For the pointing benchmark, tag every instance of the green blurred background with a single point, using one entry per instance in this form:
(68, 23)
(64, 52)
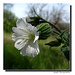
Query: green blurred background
(48, 58)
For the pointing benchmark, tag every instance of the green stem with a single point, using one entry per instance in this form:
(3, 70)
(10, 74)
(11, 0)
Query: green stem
(47, 22)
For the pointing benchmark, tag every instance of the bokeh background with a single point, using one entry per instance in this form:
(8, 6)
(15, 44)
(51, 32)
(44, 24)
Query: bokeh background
(48, 58)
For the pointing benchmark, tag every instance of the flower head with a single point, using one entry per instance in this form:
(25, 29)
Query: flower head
(25, 36)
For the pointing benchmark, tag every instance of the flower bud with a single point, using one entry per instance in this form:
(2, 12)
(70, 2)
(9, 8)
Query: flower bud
(44, 31)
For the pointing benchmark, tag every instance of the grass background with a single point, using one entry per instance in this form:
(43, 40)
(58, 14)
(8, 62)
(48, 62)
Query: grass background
(47, 59)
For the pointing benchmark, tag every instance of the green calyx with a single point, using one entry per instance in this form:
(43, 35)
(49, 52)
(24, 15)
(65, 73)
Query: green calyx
(44, 31)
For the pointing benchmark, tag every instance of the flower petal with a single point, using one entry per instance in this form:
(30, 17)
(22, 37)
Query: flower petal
(23, 51)
(16, 36)
(19, 31)
(36, 35)
(19, 44)
(34, 30)
(36, 38)
(30, 50)
(22, 24)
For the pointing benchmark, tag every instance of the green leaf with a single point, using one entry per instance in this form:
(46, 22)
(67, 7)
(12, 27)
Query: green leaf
(54, 43)
(66, 50)
(65, 37)
(63, 33)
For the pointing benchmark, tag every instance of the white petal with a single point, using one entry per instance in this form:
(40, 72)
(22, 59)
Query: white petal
(36, 35)
(36, 38)
(15, 36)
(19, 44)
(19, 31)
(34, 30)
(30, 50)
(31, 28)
(23, 51)
(21, 23)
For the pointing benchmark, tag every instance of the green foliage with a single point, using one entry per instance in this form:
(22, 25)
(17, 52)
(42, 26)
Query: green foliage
(9, 20)
(65, 39)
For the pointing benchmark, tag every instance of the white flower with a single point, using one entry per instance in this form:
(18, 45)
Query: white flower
(25, 38)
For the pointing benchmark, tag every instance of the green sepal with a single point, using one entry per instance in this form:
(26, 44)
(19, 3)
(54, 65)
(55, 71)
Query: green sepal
(44, 31)
(42, 26)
